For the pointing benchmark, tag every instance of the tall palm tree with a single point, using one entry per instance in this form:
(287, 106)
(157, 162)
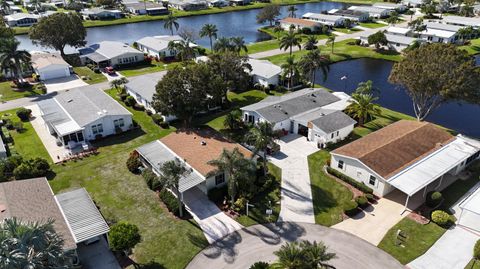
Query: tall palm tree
(233, 120)
(31, 245)
(238, 44)
(261, 136)
(290, 40)
(316, 255)
(290, 70)
(183, 49)
(331, 41)
(313, 61)
(170, 23)
(10, 57)
(410, 13)
(363, 108)
(311, 43)
(291, 10)
(304, 254)
(209, 30)
(222, 44)
(170, 174)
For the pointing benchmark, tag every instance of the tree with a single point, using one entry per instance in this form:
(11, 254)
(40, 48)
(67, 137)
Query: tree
(429, 7)
(311, 43)
(277, 29)
(467, 9)
(5, 6)
(261, 136)
(289, 41)
(268, 13)
(6, 32)
(417, 25)
(290, 70)
(291, 10)
(304, 254)
(348, 23)
(238, 44)
(362, 108)
(410, 13)
(32, 245)
(170, 174)
(170, 23)
(58, 31)
(233, 70)
(466, 33)
(313, 61)
(331, 41)
(366, 88)
(233, 120)
(393, 19)
(12, 59)
(123, 236)
(437, 73)
(119, 82)
(378, 39)
(223, 44)
(209, 30)
(183, 48)
(476, 253)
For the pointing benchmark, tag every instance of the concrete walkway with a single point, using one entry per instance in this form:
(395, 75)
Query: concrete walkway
(214, 223)
(257, 243)
(296, 201)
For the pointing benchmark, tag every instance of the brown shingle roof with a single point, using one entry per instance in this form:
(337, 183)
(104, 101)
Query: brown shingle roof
(41, 60)
(188, 146)
(396, 146)
(33, 200)
(298, 21)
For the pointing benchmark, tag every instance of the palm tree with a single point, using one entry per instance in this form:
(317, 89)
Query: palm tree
(209, 30)
(10, 57)
(311, 62)
(311, 43)
(32, 245)
(466, 33)
(289, 41)
(238, 44)
(366, 88)
(291, 10)
(290, 256)
(170, 23)
(233, 120)
(170, 174)
(37, 4)
(304, 254)
(261, 136)
(290, 70)
(183, 49)
(410, 13)
(363, 108)
(393, 18)
(277, 29)
(331, 41)
(117, 83)
(222, 44)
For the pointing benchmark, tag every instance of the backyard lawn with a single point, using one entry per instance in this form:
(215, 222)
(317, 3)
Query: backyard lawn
(7, 93)
(145, 69)
(92, 77)
(372, 25)
(474, 47)
(262, 46)
(347, 31)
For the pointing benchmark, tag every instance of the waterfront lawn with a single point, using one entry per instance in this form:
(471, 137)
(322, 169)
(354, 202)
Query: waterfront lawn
(386, 117)
(269, 30)
(262, 46)
(146, 68)
(347, 31)
(372, 25)
(8, 93)
(92, 77)
(473, 47)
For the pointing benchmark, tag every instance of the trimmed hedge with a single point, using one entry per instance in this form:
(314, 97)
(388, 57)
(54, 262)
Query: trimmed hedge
(476, 250)
(442, 218)
(370, 197)
(362, 201)
(351, 208)
(359, 185)
(170, 201)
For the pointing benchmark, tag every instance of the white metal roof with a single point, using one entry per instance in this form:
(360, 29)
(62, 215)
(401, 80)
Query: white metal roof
(398, 30)
(472, 203)
(264, 68)
(475, 22)
(418, 175)
(438, 33)
(82, 215)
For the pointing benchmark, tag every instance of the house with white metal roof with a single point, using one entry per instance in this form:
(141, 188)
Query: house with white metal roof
(314, 113)
(391, 6)
(462, 21)
(439, 33)
(264, 72)
(325, 19)
(142, 88)
(470, 211)
(374, 12)
(101, 14)
(353, 15)
(110, 53)
(146, 8)
(188, 5)
(21, 19)
(157, 46)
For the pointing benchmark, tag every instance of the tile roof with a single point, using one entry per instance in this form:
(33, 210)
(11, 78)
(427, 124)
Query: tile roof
(298, 21)
(396, 146)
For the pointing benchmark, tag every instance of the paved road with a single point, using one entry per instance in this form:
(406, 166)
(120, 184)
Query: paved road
(257, 243)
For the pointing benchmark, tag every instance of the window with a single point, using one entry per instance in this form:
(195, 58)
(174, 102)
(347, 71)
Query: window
(118, 123)
(372, 180)
(338, 132)
(219, 179)
(340, 164)
(97, 129)
(332, 135)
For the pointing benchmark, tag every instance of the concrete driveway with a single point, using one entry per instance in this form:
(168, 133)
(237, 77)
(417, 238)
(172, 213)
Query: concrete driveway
(214, 223)
(60, 84)
(257, 243)
(296, 193)
(97, 256)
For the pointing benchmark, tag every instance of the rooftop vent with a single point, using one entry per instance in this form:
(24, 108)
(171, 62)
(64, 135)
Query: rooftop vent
(70, 100)
(203, 143)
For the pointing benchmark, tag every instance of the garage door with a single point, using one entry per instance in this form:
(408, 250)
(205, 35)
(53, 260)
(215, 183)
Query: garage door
(53, 73)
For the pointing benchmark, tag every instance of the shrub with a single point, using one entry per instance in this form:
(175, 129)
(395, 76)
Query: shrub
(18, 126)
(149, 112)
(151, 179)
(218, 194)
(138, 107)
(170, 201)
(164, 125)
(239, 205)
(306, 31)
(434, 198)
(359, 185)
(37, 167)
(260, 265)
(24, 114)
(123, 236)
(123, 96)
(350, 208)
(8, 124)
(476, 250)
(133, 162)
(130, 101)
(441, 218)
(157, 118)
(361, 201)
(358, 42)
(370, 197)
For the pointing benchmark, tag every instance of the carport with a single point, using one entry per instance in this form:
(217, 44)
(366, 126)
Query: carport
(470, 214)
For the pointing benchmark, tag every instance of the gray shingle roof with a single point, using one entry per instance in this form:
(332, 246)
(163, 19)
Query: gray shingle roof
(264, 68)
(145, 85)
(276, 109)
(108, 50)
(332, 122)
(158, 43)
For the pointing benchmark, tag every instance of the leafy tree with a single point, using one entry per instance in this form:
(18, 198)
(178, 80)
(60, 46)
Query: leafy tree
(347, 24)
(363, 107)
(410, 13)
(417, 25)
(429, 7)
(6, 32)
(261, 136)
(233, 70)
(290, 71)
(32, 245)
(269, 13)
(290, 40)
(170, 174)
(58, 31)
(467, 9)
(23, 113)
(313, 61)
(108, 3)
(304, 254)
(378, 39)
(185, 50)
(123, 236)
(311, 43)
(291, 10)
(133, 162)
(170, 23)
(331, 41)
(233, 120)
(437, 73)
(394, 18)
(211, 31)
(277, 30)
(31, 168)
(12, 59)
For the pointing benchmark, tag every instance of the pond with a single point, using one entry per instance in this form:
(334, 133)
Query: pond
(235, 23)
(462, 117)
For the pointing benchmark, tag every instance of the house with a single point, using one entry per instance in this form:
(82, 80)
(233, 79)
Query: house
(470, 211)
(440, 33)
(76, 217)
(83, 114)
(50, 65)
(264, 72)
(188, 5)
(146, 8)
(143, 88)
(400, 31)
(395, 41)
(240, 2)
(374, 12)
(157, 46)
(102, 14)
(299, 24)
(314, 113)
(217, 3)
(412, 3)
(21, 20)
(110, 53)
(462, 21)
(325, 19)
(194, 148)
(353, 15)
(391, 6)
(410, 156)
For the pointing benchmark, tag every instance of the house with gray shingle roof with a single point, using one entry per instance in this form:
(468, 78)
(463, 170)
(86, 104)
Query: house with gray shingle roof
(313, 112)
(157, 46)
(110, 53)
(264, 72)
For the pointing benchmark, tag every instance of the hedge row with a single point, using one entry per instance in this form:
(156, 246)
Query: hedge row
(359, 185)
(170, 201)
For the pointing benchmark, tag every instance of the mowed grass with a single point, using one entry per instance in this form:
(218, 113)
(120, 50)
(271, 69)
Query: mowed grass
(473, 47)
(473, 265)
(146, 68)
(346, 30)
(92, 77)
(8, 93)
(262, 46)
(372, 25)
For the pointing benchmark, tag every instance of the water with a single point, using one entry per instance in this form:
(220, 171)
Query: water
(237, 23)
(464, 118)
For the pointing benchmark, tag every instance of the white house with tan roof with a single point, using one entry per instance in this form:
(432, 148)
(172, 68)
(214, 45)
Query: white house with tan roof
(264, 72)
(50, 65)
(412, 157)
(297, 23)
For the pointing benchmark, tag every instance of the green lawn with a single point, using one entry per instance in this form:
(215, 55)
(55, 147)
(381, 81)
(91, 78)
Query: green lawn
(472, 265)
(473, 48)
(262, 46)
(91, 76)
(372, 25)
(347, 31)
(7, 93)
(146, 68)
(269, 30)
